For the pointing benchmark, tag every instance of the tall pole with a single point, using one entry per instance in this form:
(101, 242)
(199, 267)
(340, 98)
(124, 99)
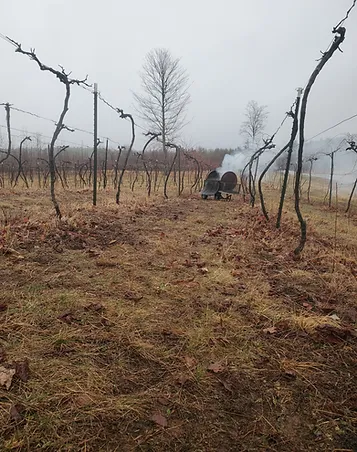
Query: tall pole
(95, 147)
(179, 171)
(332, 155)
(105, 164)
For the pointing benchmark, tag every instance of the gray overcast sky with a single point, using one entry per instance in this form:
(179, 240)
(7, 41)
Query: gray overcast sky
(233, 50)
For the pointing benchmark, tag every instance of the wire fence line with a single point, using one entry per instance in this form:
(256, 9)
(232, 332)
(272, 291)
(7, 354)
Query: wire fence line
(52, 121)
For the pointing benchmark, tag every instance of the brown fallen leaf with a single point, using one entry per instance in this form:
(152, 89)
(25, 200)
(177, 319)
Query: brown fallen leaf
(105, 322)
(129, 295)
(6, 376)
(66, 317)
(182, 379)
(159, 419)
(22, 370)
(270, 330)
(190, 362)
(289, 374)
(236, 273)
(216, 367)
(83, 400)
(16, 412)
(97, 307)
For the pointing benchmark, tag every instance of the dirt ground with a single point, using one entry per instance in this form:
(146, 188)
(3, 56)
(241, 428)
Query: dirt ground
(179, 325)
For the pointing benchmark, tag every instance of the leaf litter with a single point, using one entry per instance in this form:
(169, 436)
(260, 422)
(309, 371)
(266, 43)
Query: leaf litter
(6, 376)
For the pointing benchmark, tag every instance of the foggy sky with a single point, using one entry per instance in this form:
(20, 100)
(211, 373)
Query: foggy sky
(233, 50)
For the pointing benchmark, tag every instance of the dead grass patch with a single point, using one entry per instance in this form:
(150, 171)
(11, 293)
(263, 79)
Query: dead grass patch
(178, 325)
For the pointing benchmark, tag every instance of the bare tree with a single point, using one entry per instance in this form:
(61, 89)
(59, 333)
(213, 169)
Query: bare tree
(165, 95)
(256, 118)
(252, 128)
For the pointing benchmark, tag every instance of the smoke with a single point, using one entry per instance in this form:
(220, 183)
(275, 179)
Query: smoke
(233, 162)
(236, 162)
(345, 163)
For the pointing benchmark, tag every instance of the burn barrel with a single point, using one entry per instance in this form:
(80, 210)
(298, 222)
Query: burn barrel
(210, 188)
(228, 182)
(213, 175)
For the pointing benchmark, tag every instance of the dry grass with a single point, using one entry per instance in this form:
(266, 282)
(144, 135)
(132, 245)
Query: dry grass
(195, 310)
